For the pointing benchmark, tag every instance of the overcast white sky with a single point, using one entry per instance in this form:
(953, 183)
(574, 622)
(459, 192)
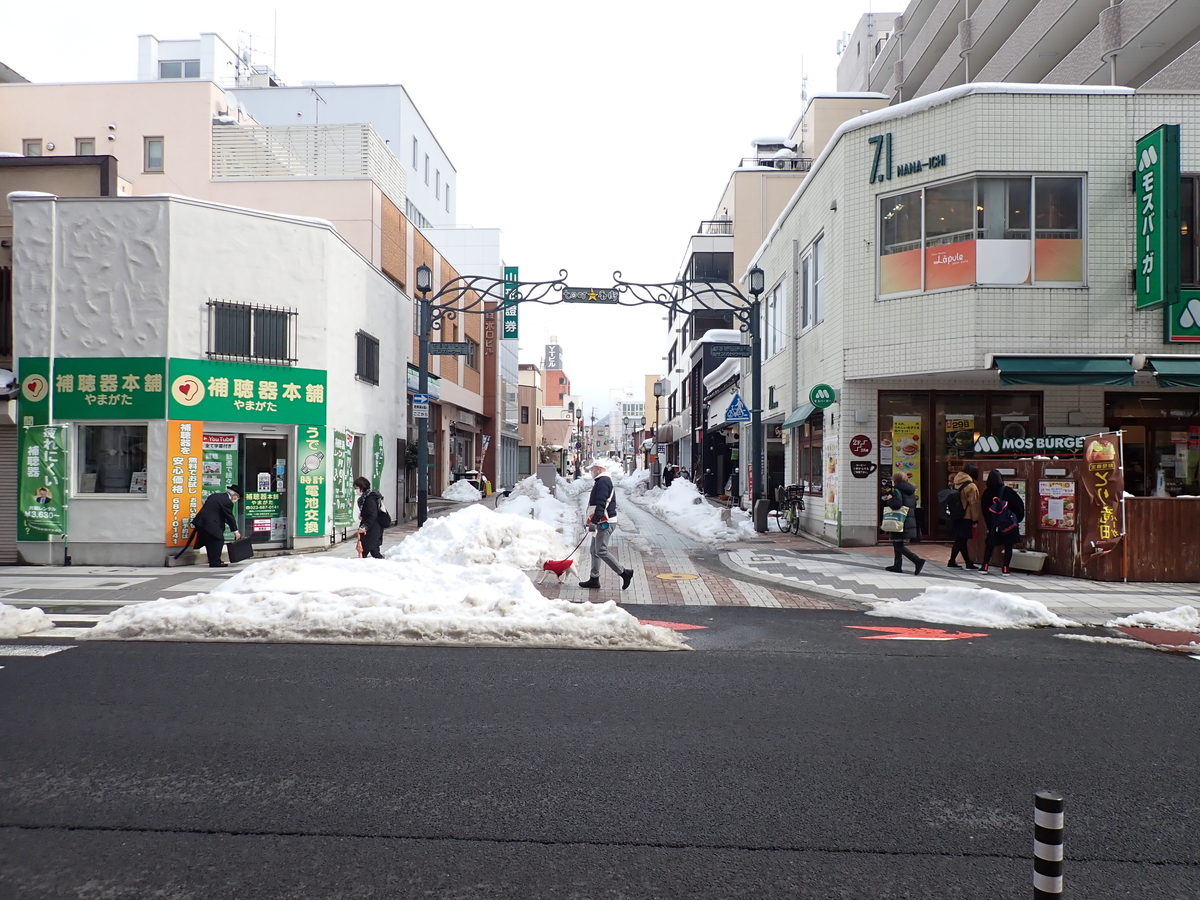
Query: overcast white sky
(595, 136)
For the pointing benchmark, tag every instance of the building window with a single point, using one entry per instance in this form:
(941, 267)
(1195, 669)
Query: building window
(112, 459)
(525, 460)
(1189, 217)
(85, 146)
(427, 168)
(776, 315)
(524, 415)
(1005, 230)
(818, 277)
(154, 155)
(179, 68)
(244, 331)
(414, 154)
(32, 147)
(447, 196)
(809, 448)
(368, 358)
(472, 354)
(437, 184)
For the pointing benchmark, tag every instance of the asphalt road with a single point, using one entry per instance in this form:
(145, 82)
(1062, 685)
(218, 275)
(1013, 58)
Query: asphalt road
(787, 757)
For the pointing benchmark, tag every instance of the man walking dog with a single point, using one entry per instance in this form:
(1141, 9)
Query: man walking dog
(601, 521)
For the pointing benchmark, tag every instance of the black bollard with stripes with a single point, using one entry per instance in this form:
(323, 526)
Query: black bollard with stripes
(1047, 846)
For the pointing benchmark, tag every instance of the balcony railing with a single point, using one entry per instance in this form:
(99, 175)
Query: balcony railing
(716, 226)
(244, 152)
(783, 163)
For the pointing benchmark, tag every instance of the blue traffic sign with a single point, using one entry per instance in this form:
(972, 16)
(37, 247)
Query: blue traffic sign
(737, 411)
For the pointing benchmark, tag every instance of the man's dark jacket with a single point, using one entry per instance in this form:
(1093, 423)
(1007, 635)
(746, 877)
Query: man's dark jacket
(215, 514)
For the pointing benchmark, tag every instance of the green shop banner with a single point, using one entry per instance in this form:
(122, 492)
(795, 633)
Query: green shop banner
(343, 488)
(33, 403)
(110, 387)
(42, 482)
(311, 466)
(241, 392)
(377, 461)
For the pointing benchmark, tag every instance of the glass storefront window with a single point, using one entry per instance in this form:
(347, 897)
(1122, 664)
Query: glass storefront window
(809, 454)
(1161, 442)
(1003, 209)
(112, 459)
(1058, 246)
(900, 244)
(948, 213)
(1016, 415)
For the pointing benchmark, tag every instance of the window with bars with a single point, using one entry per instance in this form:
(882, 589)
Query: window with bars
(368, 358)
(265, 334)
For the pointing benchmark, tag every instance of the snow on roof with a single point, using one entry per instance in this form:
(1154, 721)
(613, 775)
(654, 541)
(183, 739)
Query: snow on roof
(849, 95)
(721, 373)
(767, 141)
(721, 336)
(920, 105)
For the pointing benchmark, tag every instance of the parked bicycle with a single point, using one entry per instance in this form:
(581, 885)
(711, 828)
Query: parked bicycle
(791, 505)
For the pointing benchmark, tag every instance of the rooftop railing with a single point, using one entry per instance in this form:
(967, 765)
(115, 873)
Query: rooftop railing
(783, 163)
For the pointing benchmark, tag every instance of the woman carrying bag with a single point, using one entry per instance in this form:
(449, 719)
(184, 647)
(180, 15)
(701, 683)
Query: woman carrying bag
(1003, 511)
(900, 521)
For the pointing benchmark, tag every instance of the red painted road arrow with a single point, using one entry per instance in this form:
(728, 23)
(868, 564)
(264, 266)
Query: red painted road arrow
(674, 626)
(912, 634)
(1183, 641)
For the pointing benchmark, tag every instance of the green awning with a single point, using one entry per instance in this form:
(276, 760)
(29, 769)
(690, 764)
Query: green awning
(1064, 370)
(1177, 372)
(799, 416)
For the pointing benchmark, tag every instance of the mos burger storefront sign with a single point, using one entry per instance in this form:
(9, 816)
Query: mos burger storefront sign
(1057, 444)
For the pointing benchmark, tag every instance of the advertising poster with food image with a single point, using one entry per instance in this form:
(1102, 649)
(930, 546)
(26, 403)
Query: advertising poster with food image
(1104, 481)
(885, 448)
(1018, 486)
(1056, 505)
(960, 436)
(906, 450)
(831, 480)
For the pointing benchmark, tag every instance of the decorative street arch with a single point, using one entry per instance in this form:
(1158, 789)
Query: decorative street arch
(470, 294)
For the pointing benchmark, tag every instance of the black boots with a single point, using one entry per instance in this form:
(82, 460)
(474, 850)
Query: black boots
(626, 577)
(592, 582)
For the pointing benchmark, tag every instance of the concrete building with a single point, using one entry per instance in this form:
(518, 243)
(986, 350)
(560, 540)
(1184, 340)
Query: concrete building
(958, 294)
(173, 377)
(1146, 44)
(531, 400)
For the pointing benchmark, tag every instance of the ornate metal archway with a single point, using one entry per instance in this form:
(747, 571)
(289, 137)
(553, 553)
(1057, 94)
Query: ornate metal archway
(471, 294)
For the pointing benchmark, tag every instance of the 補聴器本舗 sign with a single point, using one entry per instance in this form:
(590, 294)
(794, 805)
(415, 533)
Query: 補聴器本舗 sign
(243, 392)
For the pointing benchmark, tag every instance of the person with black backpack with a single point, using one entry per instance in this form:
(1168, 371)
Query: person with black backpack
(965, 502)
(1003, 511)
(372, 518)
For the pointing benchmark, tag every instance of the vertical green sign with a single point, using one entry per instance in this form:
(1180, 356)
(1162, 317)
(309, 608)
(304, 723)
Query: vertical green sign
(33, 403)
(1181, 321)
(311, 466)
(512, 292)
(343, 489)
(377, 461)
(42, 482)
(1156, 187)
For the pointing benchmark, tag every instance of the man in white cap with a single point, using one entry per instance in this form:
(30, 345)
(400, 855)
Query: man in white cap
(601, 521)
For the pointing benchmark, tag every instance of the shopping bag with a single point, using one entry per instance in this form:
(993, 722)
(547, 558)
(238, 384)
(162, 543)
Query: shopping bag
(239, 550)
(893, 520)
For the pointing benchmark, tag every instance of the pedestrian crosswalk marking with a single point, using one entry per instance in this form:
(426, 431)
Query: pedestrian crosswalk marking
(32, 649)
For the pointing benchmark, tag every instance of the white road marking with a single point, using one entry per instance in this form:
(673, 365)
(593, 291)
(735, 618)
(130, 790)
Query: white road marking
(32, 649)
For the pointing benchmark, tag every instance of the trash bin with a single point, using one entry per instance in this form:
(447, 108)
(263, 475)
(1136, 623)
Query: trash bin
(761, 508)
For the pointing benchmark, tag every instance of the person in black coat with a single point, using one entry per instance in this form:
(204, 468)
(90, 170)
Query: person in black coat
(209, 524)
(997, 500)
(370, 530)
(668, 476)
(903, 493)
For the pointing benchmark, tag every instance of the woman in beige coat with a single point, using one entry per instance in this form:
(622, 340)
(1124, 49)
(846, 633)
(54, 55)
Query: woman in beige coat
(964, 528)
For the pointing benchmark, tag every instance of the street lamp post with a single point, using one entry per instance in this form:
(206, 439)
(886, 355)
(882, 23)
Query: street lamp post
(757, 461)
(424, 285)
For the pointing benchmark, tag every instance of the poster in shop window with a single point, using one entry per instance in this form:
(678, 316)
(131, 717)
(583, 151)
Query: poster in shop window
(831, 479)
(377, 461)
(42, 482)
(906, 450)
(960, 436)
(1056, 505)
(343, 488)
(184, 457)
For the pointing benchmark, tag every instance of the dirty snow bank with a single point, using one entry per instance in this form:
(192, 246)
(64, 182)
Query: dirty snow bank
(367, 601)
(530, 499)
(683, 508)
(982, 607)
(462, 492)
(477, 535)
(15, 622)
(1182, 618)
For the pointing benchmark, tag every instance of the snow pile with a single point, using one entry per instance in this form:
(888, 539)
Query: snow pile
(369, 601)
(1183, 618)
(1120, 642)
(531, 500)
(462, 492)
(971, 606)
(476, 535)
(683, 508)
(638, 482)
(15, 622)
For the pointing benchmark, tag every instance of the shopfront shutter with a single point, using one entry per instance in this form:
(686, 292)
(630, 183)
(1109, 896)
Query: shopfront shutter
(8, 494)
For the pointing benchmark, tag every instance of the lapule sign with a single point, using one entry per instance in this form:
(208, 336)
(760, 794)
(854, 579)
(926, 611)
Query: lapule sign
(1104, 481)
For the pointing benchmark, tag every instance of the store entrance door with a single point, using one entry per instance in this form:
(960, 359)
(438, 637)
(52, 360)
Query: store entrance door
(264, 477)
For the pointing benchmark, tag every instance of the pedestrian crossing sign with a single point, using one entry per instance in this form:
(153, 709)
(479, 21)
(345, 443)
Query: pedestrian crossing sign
(737, 411)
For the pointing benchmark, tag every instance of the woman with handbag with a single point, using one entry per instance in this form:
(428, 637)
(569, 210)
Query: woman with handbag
(900, 521)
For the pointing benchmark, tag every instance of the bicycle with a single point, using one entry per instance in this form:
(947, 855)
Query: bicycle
(792, 499)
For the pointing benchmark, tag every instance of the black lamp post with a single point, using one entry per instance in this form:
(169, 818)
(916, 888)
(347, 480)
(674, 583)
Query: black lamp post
(424, 286)
(758, 466)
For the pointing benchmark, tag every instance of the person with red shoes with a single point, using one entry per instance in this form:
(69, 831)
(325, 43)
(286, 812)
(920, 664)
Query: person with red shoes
(1003, 511)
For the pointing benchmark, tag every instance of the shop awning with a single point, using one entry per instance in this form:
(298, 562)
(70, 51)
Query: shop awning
(1176, 372)
(799, 416)
(665, 434)
(1064, 370)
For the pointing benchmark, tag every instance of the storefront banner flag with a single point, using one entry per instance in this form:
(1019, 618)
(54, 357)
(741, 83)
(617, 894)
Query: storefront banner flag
(343, 477)
(241, 392)
(42, 482)
(509, 327)
(1104, 481)
(311, 465)
(185, 453)
(906, 450)
(378, 461)
(33, 403)
(1156, 189)
(120, 387)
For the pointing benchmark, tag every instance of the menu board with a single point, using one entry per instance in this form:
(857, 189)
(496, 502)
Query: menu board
(960, 436)
(906, 450)
(1056, 505)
